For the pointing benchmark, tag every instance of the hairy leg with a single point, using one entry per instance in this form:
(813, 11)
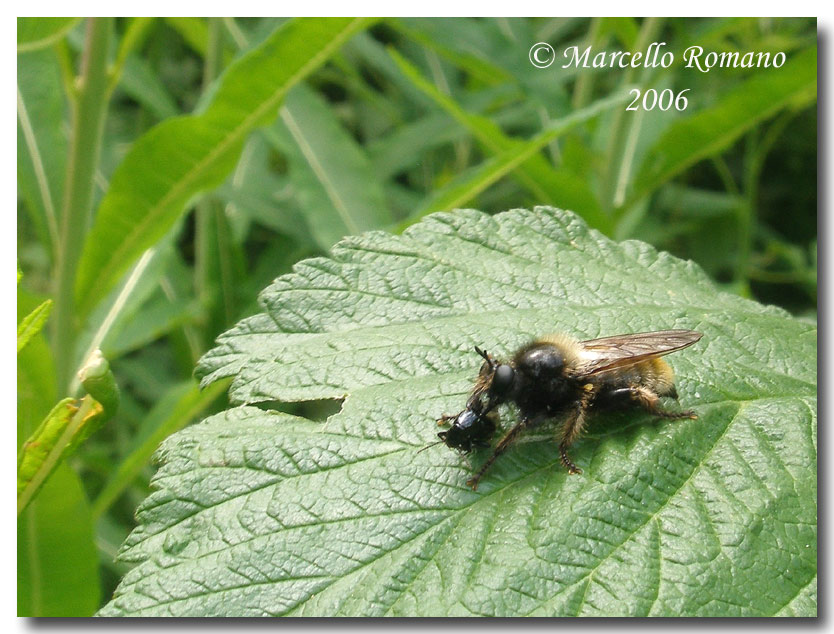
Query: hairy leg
(650, 402)
(572, 428)
(502, 445)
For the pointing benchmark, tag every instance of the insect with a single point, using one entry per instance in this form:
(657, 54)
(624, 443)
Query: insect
(558, 377)
(472, 427)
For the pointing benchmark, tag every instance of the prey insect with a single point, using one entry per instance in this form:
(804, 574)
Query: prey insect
(557, 377)
(474, 426)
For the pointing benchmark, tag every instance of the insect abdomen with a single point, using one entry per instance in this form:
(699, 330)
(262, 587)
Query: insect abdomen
(654, 374)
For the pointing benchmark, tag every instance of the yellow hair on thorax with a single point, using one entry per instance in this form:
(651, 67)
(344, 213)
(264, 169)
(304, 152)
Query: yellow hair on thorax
(567, 344)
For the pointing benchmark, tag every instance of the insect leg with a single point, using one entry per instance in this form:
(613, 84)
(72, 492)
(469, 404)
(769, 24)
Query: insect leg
(572, 427)
(649, 401)
(502, 445)
(465, 456)
(445, 418)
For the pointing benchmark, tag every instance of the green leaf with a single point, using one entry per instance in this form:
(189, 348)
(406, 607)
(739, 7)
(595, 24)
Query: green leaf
(404, 146)
(710, 131)
(42, 141)
(429, 32)
(141, 82)
(65, 428)
(334, 179)
(32, 324)
(57, 563)
(461, 191)
(37, 33)
(257, 512)
(36, 382)
(193, 30)
(183, 156)
(251, 194)
(541, 179)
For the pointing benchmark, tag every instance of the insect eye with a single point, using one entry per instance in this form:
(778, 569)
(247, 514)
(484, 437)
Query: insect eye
(442, 435)
(502, 380)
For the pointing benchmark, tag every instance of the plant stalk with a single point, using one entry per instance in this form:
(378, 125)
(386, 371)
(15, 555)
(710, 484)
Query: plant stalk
(89, 110)
(621, 124)
(205, 232)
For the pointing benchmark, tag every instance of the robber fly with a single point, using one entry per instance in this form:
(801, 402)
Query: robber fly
(558, 377)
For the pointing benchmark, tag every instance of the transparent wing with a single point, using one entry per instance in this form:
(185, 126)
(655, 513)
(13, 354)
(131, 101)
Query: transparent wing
(609, 353)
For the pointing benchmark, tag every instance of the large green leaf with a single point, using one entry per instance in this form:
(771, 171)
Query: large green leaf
(183, 156)
(258, 512)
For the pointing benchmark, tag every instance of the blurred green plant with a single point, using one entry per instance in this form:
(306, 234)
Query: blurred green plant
(284, 135)
(65, 428)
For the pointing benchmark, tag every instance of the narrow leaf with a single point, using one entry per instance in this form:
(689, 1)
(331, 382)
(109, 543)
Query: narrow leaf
(193, 30)
(140, 82)
(541, 179)
(710, 131)
(462, 190)
(405, 145)
(43, 451)
(32, 324)
(37, 33)
(336, 183)
(63, 430)
(184, 156)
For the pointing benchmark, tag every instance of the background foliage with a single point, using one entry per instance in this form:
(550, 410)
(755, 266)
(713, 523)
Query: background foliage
(154, 232)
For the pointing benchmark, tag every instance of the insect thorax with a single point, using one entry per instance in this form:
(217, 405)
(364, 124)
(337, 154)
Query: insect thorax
(541, 386)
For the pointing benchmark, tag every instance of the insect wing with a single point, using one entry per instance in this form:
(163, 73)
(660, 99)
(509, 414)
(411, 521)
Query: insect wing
(610, 353)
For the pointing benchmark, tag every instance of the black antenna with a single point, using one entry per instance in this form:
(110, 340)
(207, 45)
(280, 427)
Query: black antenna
(431, 445)
(486, 357)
